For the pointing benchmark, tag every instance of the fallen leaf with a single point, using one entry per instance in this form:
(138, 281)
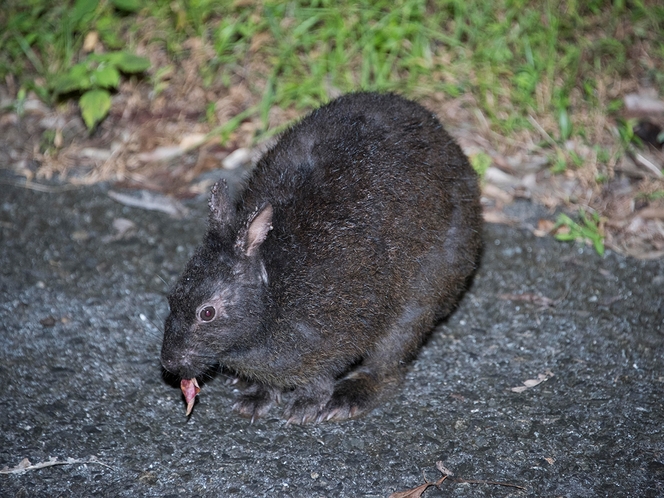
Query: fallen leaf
(496, 193)
(527, 384)
(417, 492)
(190, 389)
(651, 213)
(413, 493)
(498, 217)
(90, 41)
(544, 228)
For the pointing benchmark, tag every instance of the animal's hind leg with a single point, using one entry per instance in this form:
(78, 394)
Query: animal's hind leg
(362, 388)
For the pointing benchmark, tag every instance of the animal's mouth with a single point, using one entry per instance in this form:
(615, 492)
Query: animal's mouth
(186, 365)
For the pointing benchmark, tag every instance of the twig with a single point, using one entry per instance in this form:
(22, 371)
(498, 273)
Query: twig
(548, 138)
(419, 490)
(39, 187)
(462, 481)
(25, 465)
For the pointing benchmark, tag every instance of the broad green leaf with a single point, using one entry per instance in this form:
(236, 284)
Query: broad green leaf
(128, 63)
(81, 9)
(106, 77)
(109, 28)
(77, 78)
(95, 105)
(126, 5)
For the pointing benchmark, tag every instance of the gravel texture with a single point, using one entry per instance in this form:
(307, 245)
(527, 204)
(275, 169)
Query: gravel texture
(81, 317)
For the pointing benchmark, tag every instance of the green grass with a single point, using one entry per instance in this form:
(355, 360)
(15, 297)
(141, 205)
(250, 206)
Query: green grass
(588, 230)
(517, 58)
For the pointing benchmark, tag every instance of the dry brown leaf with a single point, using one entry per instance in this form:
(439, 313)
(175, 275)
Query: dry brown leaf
(544, 228)
(651, 213)
(497, 216)
(90, 41)
(417, 492)
(412, 493)
(496, 193)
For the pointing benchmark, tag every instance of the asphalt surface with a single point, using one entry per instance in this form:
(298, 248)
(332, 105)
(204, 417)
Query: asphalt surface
(81, 318)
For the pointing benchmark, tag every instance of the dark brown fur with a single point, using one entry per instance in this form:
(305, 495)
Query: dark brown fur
(356, 233)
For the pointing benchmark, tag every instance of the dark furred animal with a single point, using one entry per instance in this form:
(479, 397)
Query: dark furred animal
(355, 234)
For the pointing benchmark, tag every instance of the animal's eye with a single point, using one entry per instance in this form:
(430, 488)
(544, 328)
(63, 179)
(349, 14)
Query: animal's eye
(207, 314)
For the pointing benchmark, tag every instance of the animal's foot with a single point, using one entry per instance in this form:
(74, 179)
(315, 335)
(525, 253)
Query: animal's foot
(353, 396)
(256, 401)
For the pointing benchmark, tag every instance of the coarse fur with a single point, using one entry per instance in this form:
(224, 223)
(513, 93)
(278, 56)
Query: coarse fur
(356, 233)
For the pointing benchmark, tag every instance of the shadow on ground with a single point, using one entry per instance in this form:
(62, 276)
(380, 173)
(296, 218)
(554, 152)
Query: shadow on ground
(81, 312)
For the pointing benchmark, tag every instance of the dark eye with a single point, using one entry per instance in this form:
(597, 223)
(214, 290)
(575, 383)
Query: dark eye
(207, 314)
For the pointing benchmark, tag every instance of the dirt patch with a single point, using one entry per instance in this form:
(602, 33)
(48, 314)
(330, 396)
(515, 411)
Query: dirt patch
(163, 133)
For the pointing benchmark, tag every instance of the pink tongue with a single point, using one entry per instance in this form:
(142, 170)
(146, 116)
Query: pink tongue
(190, 389)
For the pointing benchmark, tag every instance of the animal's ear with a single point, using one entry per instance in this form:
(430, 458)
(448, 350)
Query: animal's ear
(220, 205)
(259, 226)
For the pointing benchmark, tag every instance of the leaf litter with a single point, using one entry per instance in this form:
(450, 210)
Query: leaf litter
(162, 136)
(447, 475)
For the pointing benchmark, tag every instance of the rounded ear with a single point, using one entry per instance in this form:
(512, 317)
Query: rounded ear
(258, 227)
(220, 205)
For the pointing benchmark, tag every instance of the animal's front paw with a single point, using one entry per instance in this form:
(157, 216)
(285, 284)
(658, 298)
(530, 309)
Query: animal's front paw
(256, 401)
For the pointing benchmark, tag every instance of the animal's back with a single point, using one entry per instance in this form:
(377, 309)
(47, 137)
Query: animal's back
(375, 214)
